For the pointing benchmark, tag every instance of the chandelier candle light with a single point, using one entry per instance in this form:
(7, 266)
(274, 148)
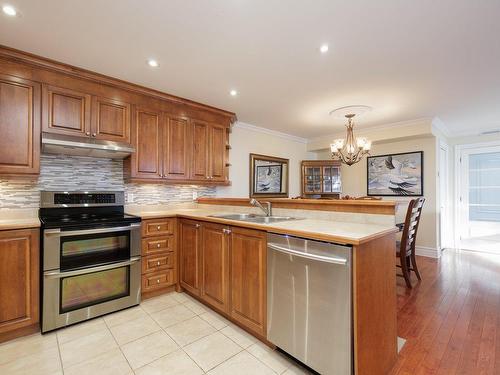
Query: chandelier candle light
(351, 149)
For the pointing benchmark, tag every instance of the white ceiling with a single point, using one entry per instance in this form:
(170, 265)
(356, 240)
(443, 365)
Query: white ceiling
(406, 59)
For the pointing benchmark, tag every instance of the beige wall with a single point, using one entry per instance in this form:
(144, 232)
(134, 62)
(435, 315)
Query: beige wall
(354, 182)
(244, 140)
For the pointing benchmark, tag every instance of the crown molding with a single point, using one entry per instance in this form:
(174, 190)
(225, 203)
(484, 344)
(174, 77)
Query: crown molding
(363, 130)
(258, 129)
(441, 127)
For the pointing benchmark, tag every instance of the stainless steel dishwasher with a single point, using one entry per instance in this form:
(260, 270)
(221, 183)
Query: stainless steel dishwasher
(309, 302)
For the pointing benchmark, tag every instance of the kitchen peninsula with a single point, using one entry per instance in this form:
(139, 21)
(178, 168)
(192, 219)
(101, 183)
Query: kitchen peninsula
(222, 262)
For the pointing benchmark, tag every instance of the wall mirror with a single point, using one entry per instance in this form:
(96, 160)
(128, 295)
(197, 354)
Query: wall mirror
(268, 176)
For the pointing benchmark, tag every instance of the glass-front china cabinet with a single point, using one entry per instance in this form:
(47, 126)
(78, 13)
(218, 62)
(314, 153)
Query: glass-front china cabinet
(321, 179)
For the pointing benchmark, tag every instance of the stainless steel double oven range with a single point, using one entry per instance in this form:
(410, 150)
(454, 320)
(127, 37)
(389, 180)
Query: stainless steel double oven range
(90, 255)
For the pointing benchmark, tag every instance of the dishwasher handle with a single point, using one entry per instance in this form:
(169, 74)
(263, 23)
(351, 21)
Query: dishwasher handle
(320, 258)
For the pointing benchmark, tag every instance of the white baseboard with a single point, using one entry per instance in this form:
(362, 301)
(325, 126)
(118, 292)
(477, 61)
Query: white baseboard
(430, 252)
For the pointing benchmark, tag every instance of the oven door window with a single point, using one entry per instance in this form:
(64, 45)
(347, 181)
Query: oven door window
(92, 288)
(81, 251)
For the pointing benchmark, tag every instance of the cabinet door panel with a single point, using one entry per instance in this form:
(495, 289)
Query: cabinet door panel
(19, 126)
(215, 266)
(200, 153)
(19, 268)
(175, 162)
(66, 111)
(147, 143)
(248, 279)
(190, 255)
(217, 152)
(111, 120)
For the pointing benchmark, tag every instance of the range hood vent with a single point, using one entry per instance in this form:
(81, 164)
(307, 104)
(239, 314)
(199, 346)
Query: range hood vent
(77, 146)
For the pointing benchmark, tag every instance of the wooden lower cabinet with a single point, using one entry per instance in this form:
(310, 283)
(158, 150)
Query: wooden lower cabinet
(215, 265)
(248, 265)
(19, 282)
(226, 268)
(190, 255)
(159, 256)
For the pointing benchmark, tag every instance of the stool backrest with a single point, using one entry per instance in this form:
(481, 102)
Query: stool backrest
(409, 236)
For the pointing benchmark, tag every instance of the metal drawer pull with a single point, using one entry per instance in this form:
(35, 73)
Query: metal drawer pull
(59, 233)
(58, 274)
(301, 254)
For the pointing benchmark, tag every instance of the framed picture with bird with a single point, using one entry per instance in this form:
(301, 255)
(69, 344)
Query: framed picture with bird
(396, 175)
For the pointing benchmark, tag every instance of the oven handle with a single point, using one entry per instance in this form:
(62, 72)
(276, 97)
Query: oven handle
(58, 274)
(59, 233)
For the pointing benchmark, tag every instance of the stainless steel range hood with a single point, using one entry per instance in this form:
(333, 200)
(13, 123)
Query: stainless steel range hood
(70, 145)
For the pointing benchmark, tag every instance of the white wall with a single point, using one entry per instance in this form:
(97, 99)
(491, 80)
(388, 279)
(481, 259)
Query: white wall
(246, 139)
(354, 183)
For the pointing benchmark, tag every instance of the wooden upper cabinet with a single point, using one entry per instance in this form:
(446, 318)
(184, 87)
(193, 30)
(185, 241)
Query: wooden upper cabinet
(146, 162)
(248, 279)
(19, 126)
(190, 255)
(217, 152)
(200, 150)
(19, 280)
(65, 111)
(110, 120)
(215, 265)
(176, 148)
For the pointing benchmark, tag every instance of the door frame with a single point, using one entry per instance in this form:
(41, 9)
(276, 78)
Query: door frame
(461, 181)
(445, 241)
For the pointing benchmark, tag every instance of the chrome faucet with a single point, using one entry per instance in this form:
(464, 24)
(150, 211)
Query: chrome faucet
(268, 211)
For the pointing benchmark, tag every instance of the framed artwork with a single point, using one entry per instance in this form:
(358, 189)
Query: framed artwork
(396, 175)
(268, 176)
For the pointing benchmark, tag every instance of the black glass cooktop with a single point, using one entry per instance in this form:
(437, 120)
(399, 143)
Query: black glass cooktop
(85, 217)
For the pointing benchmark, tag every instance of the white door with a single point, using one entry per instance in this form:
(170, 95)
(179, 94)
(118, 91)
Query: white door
(479, 199)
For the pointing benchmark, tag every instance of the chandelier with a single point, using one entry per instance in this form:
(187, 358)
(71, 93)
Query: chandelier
(351, 149)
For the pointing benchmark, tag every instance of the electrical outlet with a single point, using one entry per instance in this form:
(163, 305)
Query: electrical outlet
(195, 195)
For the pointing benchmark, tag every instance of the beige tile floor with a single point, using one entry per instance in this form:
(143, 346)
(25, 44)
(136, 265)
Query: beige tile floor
(172, 334)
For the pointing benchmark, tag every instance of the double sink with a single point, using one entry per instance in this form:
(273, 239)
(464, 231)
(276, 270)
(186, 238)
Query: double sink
(254, 218)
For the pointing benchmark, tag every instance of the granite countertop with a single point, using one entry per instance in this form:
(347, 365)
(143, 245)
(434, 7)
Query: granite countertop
(325, 230)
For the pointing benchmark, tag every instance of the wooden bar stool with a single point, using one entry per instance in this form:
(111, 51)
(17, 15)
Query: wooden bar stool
(406, 247)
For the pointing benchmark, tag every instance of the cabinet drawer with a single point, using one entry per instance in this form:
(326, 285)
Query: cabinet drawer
(157, 280)
(158, 262)
(157, 227)
(155, 245)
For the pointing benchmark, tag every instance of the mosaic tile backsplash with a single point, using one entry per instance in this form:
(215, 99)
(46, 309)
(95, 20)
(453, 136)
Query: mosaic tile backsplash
(69, 173)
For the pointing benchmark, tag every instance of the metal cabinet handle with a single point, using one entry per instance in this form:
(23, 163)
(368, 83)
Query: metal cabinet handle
(158, 281)
(158, 227)
(158, 245)
(301, 254)
(58, 275)
(94, 134)
(87, 133)
(226, 231)
(59, 233)
(197, 226)
(158, 263)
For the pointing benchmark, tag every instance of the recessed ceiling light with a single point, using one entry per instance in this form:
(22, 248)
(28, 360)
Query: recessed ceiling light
(153, 63)
(9, 10)
(323, 48)
(233, 92)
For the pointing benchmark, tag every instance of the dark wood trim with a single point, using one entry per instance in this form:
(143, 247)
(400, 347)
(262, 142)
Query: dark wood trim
(49, 64)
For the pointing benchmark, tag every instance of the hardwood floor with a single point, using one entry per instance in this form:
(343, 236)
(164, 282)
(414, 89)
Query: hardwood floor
(451, 320)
